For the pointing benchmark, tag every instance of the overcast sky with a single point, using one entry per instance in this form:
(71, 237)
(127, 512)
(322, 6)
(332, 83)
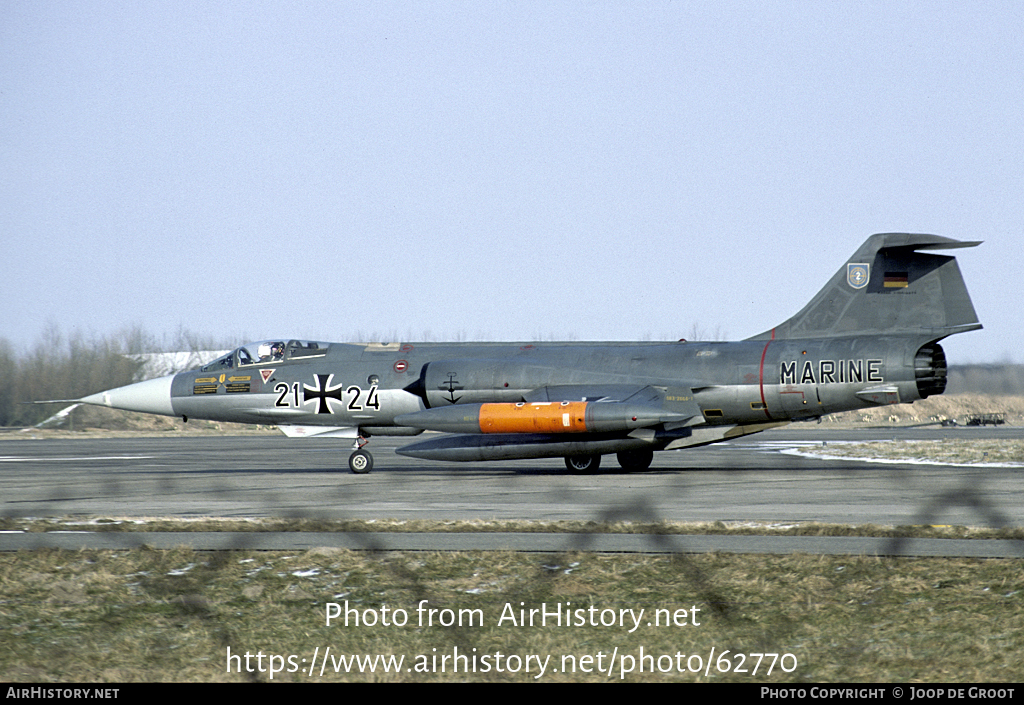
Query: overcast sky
(492, 170)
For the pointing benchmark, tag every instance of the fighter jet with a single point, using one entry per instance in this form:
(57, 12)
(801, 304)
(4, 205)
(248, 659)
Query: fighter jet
(870, 337)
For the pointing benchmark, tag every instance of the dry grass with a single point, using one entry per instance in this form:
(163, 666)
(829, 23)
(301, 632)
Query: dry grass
(137, 524)
(946, 451)
(171, 615)
(933, 410)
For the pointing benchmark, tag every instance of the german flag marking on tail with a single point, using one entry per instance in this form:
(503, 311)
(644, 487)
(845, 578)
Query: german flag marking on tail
(896, 280)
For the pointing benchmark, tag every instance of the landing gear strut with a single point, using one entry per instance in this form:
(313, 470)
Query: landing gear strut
(360, 462)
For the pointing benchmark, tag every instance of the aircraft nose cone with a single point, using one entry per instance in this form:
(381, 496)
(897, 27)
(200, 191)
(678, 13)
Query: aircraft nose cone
(152, 397)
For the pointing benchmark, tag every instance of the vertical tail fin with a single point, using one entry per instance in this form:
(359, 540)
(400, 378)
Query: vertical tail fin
(888, 286)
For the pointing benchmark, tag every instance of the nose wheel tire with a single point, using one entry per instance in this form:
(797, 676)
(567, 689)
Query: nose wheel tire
(583, 464)
(360, 462)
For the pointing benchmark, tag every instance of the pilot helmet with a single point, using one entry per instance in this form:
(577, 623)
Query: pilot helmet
(263, 351)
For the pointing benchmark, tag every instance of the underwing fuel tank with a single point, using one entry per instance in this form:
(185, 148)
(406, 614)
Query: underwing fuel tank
(519, 446)
(539, 417)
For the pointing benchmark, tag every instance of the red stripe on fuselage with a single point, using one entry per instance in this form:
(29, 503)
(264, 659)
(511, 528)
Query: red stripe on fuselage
(761, 374)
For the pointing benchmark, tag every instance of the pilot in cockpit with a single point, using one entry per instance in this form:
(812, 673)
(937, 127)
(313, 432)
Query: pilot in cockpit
(270, 352)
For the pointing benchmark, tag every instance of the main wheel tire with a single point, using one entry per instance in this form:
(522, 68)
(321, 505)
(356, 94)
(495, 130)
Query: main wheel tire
(635, 460)
(583, 464)
(360, 462)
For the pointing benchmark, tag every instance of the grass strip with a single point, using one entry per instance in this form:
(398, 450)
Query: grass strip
(172, 615)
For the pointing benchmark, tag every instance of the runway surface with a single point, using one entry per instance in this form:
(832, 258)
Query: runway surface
(748, 480)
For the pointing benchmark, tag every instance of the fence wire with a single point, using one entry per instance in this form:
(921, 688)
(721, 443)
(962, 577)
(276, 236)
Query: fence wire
(243, 477)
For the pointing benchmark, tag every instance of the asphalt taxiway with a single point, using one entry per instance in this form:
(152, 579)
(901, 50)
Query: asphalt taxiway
(749, 480)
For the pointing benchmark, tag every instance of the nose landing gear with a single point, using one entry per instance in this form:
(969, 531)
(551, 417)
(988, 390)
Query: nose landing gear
(360, 462)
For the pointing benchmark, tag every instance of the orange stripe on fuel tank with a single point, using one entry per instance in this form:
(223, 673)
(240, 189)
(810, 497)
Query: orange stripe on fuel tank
(540, 417)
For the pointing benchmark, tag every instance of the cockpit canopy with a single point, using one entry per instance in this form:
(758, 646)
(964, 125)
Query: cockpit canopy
(268, 351)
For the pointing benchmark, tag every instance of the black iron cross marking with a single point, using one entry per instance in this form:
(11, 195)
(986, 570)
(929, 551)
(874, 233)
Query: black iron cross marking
(321, 393)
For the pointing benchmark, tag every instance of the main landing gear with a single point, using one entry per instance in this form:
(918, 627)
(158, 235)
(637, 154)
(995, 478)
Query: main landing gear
(583, 464)
(629, 460)
(360, 462)
(635, 460)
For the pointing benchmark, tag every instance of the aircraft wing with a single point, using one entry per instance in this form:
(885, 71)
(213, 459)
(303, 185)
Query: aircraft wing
(678, 405)
(584, 392)
(571, 409)
(298, 431)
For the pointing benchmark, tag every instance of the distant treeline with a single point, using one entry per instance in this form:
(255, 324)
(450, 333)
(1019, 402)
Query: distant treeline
(73, 366)
(993, 380)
